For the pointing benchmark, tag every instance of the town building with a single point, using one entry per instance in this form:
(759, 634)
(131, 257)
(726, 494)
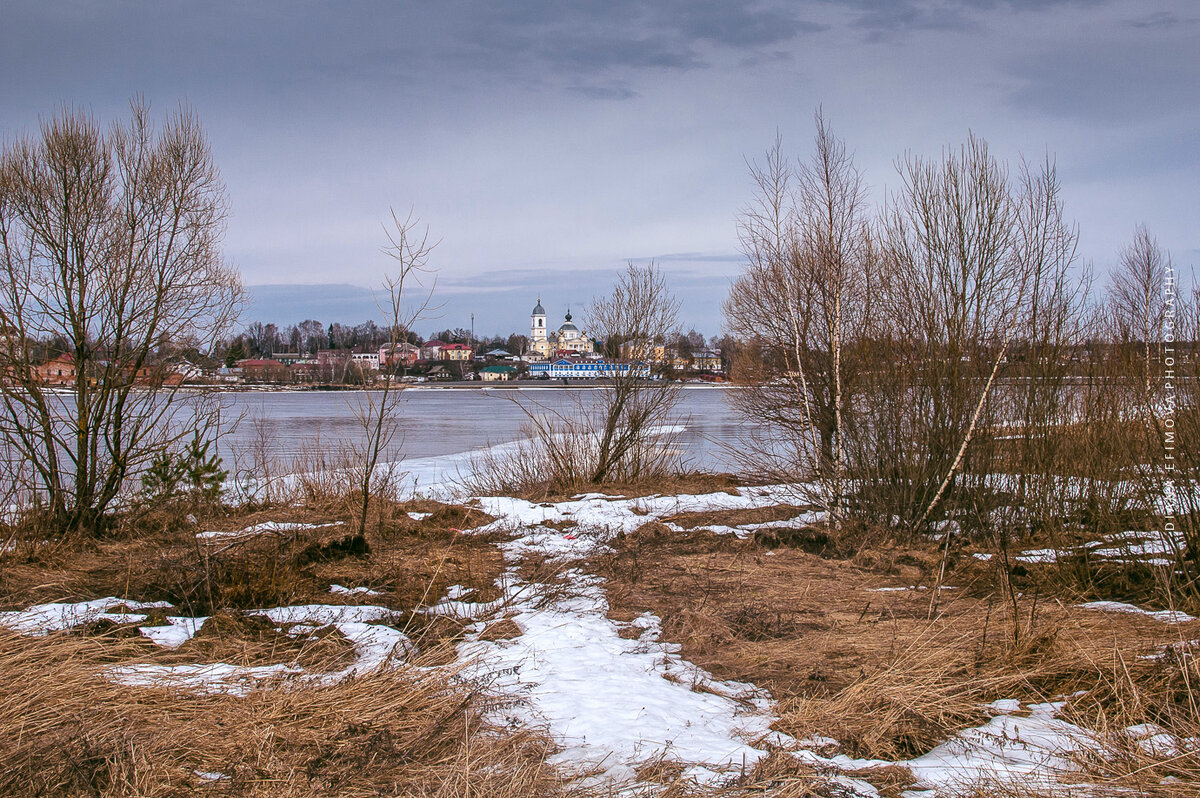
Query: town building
(59, 370)
(585, 369)
(402, 353)
(430, 349)
(288, 358)
(333, 358)
(708, 360)
(642, 349)
(366, 361)
(548, 343)
(263, 370)
(305, 372)
(497, 373)
(455, 352)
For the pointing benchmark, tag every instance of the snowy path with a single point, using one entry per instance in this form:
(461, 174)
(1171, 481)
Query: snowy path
(614, 703)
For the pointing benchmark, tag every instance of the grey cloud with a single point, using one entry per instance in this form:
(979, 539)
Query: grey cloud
(1159, 19)
(888, 19)
(1119, 82)
(373, 43)
(695, 257)
(605, 92)
(883, 20)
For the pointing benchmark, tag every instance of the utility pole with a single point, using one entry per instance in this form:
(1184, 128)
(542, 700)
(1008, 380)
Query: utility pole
(472, 341)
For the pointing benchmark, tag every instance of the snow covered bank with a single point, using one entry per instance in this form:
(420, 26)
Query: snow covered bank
(376, 645)
(603, 517)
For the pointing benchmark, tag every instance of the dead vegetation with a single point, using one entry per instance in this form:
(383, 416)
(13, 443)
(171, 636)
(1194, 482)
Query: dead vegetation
(408, 561)
(873, 669)
(494, 478)
(797, 611)
(411, 731)
(68, 731)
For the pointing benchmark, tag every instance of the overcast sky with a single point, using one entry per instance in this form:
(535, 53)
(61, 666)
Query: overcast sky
(546, 143)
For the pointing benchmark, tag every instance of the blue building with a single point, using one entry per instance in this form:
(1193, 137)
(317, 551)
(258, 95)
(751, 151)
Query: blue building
(565, 368)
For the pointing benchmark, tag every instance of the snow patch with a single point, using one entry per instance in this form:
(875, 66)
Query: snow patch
(1166, 616)
(375, 646)
(41, 619)
(178, 631)
(261, 529)
(747, 530)
(1029, 752)
(342, 590)
(603, 517)
(612, 703)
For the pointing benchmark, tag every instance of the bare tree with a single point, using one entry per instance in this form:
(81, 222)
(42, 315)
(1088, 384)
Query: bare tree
(405, 301)
(803, 296)
(1042, 404)
(110, 243)
(954, 289)
(640, 310)
(1136, 299)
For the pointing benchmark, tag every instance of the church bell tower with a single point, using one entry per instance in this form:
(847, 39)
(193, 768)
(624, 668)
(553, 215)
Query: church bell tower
(537, 323)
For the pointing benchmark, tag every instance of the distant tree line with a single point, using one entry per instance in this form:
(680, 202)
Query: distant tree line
(309, 337)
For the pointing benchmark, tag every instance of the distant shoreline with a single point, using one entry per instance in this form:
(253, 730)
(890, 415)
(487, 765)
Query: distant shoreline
(539, 385)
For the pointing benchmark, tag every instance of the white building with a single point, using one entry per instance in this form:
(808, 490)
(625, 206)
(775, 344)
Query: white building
(547, 343)
(367, 361)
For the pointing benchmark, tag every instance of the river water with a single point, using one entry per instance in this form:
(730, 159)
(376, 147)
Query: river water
(442, 426)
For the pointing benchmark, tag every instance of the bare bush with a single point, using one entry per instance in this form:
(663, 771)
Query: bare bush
(557, 450)
(109, 244)
(621, 430)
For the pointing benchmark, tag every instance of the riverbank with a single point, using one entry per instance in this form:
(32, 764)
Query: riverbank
(702, 638)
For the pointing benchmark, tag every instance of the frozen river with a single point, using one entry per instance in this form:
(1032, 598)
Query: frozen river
(439, 427)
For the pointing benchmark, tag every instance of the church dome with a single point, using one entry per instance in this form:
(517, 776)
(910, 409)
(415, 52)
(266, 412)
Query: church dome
(568, 325)
(538, 310)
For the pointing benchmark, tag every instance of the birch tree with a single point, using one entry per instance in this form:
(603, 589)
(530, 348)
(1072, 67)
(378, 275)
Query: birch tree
(804, 296)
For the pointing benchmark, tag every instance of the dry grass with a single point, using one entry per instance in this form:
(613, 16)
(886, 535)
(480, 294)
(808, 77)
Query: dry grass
(414, 731)
(871, 669)
(795, 611)
(410, 562)
(66, 732)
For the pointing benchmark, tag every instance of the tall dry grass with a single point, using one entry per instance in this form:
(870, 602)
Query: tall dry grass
(66, 731)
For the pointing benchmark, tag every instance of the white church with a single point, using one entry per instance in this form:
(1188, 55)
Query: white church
(547, 343)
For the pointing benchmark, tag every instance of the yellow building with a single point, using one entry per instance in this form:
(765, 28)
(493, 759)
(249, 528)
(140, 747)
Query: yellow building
(644, 350)
(547, 343)
(455, 352)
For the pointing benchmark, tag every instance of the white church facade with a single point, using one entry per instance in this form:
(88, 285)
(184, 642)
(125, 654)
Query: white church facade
(547, 343)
